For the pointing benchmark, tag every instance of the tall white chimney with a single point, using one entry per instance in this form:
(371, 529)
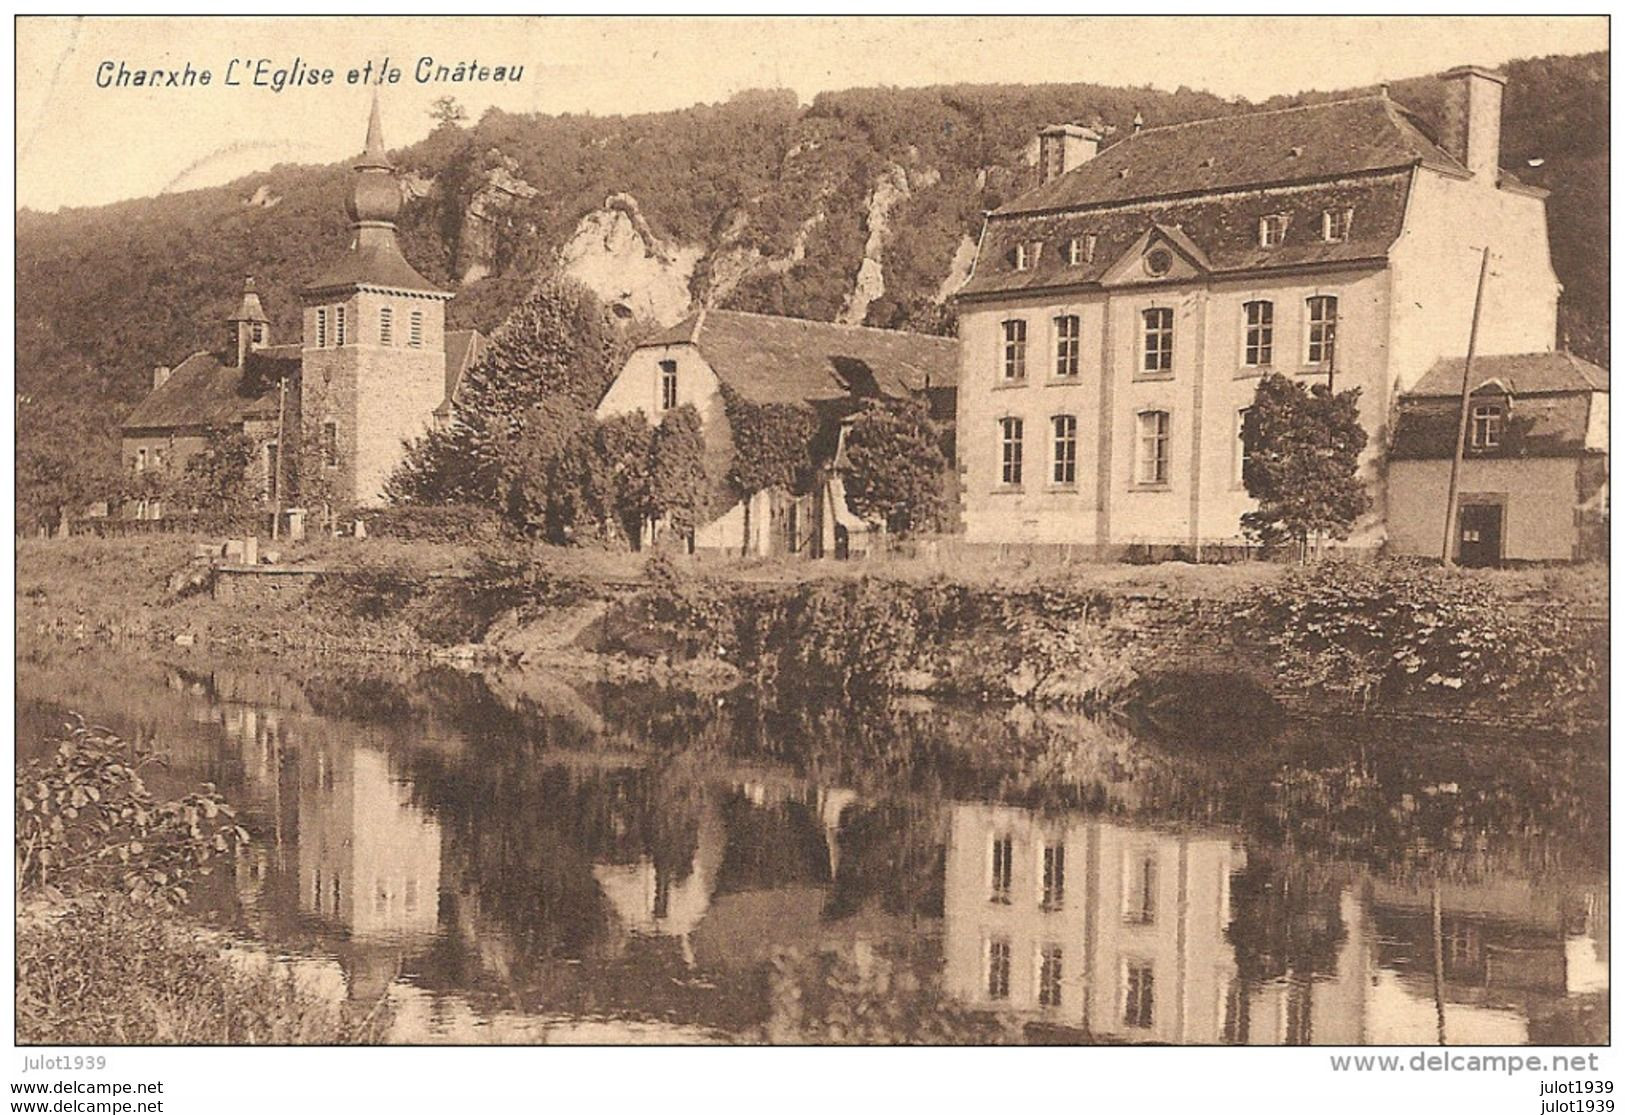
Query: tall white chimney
(1064, 146)
(1472, 119)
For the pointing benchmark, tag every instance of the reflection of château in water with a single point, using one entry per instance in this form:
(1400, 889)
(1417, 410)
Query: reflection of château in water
(1131, 934)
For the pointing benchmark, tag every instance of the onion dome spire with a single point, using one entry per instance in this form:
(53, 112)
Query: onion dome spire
(375, 197)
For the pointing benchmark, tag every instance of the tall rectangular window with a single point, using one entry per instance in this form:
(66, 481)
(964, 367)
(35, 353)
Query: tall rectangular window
(1049, 976)
(1015, 349)
(998, 968)
(1322, 329)
(1139, 995)
(1159, 339)
(1010, 451)
(999, 870)
(668, 384)
(321, 326)
(1244, 446)
(1066, 449)
(1140, 889)
(259, 332)
(1334, 224)
(414, 336)
(339, 335)
(330, 444)
(386, 325)
(1486, 426)
(1260, 349)
(141, 460)
(1054, 895)
(1153, 462)
(1068, 334)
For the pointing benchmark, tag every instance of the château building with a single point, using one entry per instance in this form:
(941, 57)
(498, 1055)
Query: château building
(1120, 315)
(373, 366)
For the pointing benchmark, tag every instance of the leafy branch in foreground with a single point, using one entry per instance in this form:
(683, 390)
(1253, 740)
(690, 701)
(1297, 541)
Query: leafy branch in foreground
(86, 820)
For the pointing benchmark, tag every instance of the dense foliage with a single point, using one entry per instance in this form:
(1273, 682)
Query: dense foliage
(773, 443)
(1303, 461)
(1387, 630)
(105, 294)
(558, 347)
(86, 820)
(895, 465)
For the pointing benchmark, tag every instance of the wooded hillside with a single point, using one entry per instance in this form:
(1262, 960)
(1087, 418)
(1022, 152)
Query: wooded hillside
(776, 198)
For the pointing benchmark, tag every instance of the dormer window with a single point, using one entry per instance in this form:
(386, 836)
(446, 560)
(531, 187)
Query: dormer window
(1080, 249)
(1272, 230)
(1487, 426)
(1027, 254)
(1334, 225)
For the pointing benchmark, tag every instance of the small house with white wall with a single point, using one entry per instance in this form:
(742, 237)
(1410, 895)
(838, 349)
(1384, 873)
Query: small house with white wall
(1534, 474)
(769, 360)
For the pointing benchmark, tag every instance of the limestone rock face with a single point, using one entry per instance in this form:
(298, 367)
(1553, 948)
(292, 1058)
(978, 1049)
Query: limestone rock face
(615, 254)
(890, 188)
(488, 218)
(958, 268)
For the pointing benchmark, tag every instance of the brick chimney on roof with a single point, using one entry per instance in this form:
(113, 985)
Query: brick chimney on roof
(1061, 147)
(1472, 119)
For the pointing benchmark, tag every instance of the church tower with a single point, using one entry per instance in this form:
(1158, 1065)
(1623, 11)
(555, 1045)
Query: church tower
(248, 328)
(374, 359)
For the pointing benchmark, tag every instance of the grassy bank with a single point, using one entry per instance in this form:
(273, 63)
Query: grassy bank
(1525, 643)
(99, 970)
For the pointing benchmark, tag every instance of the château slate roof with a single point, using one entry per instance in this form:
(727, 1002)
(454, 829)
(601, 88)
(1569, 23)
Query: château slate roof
(772, 359)
(1210, 182)
(1529, 373)
(1306, 143)
(203, 393)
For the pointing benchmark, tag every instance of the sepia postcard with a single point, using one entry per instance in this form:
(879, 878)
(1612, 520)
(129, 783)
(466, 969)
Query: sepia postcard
(785, 531)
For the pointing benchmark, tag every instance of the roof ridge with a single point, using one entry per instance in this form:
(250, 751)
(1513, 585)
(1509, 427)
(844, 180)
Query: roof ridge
(1356, 98)
(835, 324)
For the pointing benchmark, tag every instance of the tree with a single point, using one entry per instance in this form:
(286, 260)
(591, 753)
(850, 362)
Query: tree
(216, 477)
(1303, 455)
(895, 465)
(558, 344)
(447, 113)
(678, 487)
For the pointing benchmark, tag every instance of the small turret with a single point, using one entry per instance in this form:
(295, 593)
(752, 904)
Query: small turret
(248, 328)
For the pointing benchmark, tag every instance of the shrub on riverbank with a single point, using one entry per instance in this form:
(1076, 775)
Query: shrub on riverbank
(1381, 631)
(102, 971)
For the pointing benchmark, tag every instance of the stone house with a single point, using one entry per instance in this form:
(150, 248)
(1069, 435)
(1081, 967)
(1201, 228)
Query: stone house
(374, 368)
(1534, 475)
(1120, 315)
(765, 360)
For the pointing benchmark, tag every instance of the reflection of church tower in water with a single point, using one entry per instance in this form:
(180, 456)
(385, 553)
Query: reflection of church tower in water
(369, 860)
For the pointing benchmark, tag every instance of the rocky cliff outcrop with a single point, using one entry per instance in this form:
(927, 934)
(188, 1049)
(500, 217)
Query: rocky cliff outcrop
(890, 188)
(616, 255)
(488, 218)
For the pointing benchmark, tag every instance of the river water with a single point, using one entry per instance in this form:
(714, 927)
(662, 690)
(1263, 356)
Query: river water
(511, 858)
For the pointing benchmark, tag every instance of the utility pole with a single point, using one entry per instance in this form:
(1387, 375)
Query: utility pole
(1461, 425)
(281, 451)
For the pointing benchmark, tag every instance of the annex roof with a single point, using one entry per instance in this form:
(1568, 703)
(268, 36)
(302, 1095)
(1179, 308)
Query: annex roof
(772, 359)
(1530, 373)
(203, 393)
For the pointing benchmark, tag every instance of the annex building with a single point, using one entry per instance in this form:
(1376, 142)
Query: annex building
(328, 415)
(1119, 315)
